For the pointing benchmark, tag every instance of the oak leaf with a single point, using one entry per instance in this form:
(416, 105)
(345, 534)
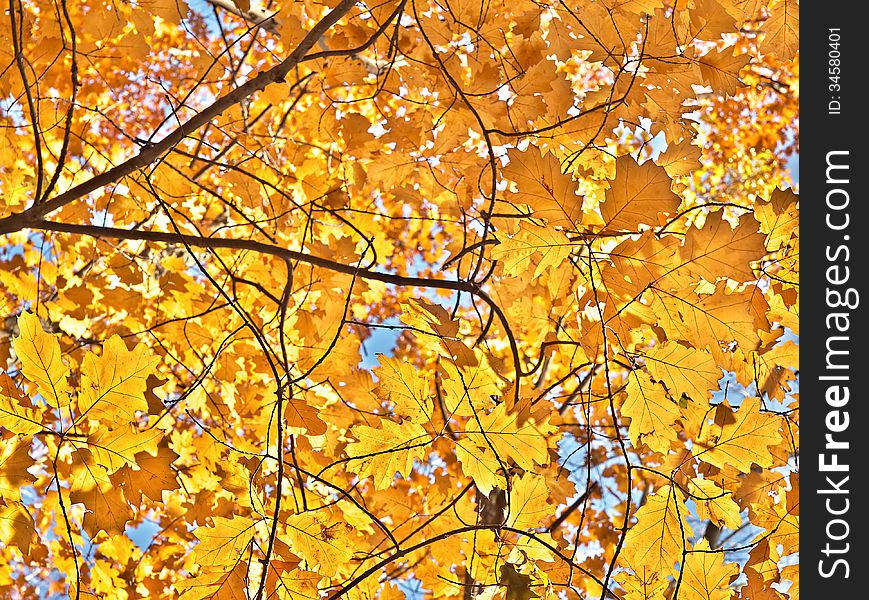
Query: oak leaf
(41, 362)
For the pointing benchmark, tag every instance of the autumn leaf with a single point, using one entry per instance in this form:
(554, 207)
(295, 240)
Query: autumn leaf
(41, 360)
(541, 185)
(528, 504)
(652, 413)
(321, 545)
(517, 253)
(741, 438)
(113, 449)
(224, 542)
(683, 369)
(14, 462)
(16, 526)
(406, 388)
(717, 250)
(659, 536)
(706, 576)
(386, 451)
(714, 503)
(16, 412)
(637, 194)
(113, 383)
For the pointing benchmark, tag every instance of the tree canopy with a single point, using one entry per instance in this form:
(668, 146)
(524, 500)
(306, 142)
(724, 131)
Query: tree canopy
(414, 298)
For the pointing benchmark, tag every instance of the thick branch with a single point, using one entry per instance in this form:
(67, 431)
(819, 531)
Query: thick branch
(152, 152)
(255, 246)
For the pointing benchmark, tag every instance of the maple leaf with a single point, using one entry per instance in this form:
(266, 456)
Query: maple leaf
(502, 433)
(16, 412)
(406, 388)
(740, 439)
(541, 185)
(321, 545)
(217, 583)
(113, 384)
(528, 502)
(720, 68)
(706, 576)
(386, 451)
(714, 503)
(518, 251)
(782, 29)
(684, 370)
(113, 449)
(657, 539)
(16, 526)
(716, 250)
(41, 360)
(223, 543)
(14, 462)
(652, 412)
(644, 585)
(637, 194)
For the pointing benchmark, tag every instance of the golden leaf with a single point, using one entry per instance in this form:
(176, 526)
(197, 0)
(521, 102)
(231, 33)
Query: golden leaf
(321, 545)
(113, 383)
(16, 412)
(716, 250)
(656, 541)
(541, 185)
(14, 462)
(41, 360)
(652, 413)
(687, 370)
(384, 452)
(706, 576)
(406, 388)
(637, 194)
(16, 526)
(740, 439)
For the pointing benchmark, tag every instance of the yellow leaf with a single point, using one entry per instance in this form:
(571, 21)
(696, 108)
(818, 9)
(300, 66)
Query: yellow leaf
(644, 584)
(528, 502)
(705, 574)
(41, 363)
(107, 508)
(291, 582)
(384, 452)
(720, 70)
(782, 30)
(321, 545)
(740, 439)
(480, 465)
(714, 504)
(525, 443)
(113, 449)
(14, 462)
(517, 252)
(687, 370)
(407, 388)
(651, 411)
(658, 538)
(222, 544)
(304, 416)
(16, 414)
(541, 185)
(719, 251)
(216, 583)
(113, 384)
(636, 196)
(16, 526)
